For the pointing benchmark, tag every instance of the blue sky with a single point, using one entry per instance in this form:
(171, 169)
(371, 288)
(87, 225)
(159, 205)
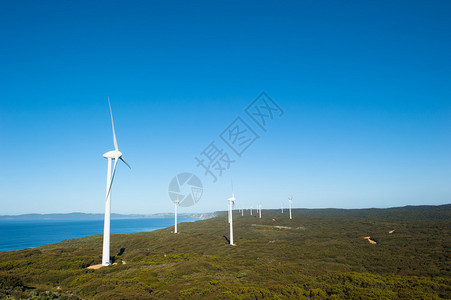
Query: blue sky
(364, 86)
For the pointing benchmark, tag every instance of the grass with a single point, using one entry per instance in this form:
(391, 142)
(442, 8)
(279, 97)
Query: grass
(320, 254)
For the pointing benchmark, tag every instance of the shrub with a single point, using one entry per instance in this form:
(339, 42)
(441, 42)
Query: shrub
(8, 281)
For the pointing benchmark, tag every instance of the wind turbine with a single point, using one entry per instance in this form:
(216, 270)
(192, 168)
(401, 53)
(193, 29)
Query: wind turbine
(260, 210)
(282, 206)
(176, 203)
(110, 155)
(231, 202)
(289, 201)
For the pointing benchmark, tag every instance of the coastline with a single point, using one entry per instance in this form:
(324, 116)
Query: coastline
(20, 234)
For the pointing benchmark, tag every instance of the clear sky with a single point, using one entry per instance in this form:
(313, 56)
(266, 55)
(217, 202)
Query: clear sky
(364, 87)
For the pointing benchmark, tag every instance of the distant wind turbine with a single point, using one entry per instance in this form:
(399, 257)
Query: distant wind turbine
(289, 201)
(116, 155)
(231, 203)
(176, 203)
(260, 210)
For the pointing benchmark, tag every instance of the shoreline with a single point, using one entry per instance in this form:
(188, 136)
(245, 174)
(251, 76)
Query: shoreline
(18, 237)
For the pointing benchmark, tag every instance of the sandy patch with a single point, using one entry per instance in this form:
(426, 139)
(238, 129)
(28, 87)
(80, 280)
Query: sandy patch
(96, 267)
(370, 240)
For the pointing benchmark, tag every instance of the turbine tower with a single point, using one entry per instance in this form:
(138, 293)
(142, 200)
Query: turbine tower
(260, 210)
(231, 202)
(289, 201)
(110, 155)
(176, 203)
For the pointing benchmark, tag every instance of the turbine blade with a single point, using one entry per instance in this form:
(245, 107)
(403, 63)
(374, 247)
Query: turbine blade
(111, 181)
(112, 125)
(121, 158)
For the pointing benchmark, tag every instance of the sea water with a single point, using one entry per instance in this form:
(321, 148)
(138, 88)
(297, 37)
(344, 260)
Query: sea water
(22, 234)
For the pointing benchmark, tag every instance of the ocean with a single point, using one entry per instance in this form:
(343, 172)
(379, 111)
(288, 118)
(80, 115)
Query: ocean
(22, 234)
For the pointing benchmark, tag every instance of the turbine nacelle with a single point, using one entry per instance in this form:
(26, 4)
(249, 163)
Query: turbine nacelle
(113, 154)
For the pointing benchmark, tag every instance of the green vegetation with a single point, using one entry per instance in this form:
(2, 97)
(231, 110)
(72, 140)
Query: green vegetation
(320, 254)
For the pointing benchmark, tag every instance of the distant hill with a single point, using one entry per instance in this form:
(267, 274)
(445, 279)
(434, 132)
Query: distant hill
(396, 253)
(85, 216)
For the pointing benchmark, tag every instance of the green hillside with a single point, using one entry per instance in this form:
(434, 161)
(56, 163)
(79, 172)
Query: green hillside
(320, 254)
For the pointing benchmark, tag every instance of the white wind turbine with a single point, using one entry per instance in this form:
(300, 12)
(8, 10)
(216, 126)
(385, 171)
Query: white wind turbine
(231, 203)
(289, 201)
(176, 203)
(260, 210)
(111, 155)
